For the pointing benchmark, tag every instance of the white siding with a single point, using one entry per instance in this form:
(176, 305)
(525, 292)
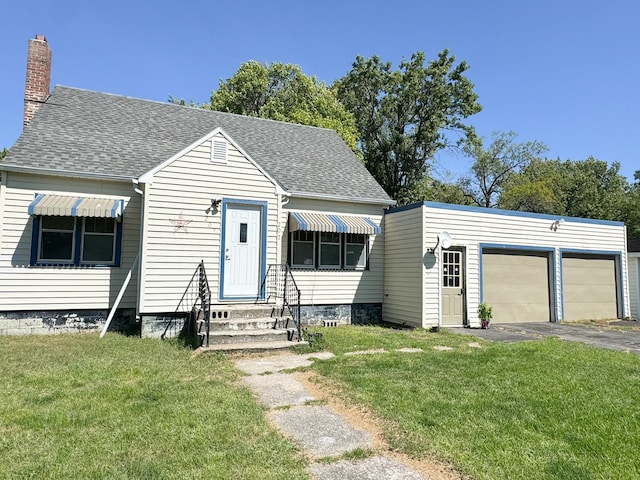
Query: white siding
(634, 284)
(471, 228)
(183, 190)
(60, 288)
(337, 287)
(404, 278)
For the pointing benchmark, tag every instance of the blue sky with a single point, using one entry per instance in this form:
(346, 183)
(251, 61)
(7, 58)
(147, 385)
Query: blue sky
(564, 72)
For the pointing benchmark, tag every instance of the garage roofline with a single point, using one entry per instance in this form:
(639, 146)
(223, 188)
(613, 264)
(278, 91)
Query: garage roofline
(499, 211)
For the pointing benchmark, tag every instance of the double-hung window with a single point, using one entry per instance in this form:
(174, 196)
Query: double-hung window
(56, 239)
(76, 230)
(329, 250)
(330, 241)
(302, 249)
(98, 240)
(355, 250)
(66, 240)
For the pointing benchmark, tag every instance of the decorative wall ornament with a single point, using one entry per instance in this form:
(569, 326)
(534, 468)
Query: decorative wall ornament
(180, 223)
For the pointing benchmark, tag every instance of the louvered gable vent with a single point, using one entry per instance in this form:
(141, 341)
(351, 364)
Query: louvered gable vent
(219, 151)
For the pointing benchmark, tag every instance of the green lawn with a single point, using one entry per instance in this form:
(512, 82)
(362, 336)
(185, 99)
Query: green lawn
(75, 406)
(535, 410)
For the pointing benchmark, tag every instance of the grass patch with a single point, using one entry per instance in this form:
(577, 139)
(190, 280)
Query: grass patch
(546, 409)
(76, 406)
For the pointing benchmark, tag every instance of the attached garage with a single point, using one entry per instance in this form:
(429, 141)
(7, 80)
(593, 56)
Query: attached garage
(589, 286)
(517, 284)
(442, 260)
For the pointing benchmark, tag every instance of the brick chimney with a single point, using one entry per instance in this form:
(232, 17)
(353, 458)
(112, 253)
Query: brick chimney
(38, 77)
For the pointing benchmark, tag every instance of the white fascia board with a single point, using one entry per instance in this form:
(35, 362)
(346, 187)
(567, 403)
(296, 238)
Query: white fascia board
(148, 176)
(65, 173)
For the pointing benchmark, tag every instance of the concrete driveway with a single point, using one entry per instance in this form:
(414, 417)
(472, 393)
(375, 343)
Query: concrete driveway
(627, 340)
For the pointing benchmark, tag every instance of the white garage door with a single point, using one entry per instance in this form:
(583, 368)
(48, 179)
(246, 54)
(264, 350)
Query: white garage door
(516, 284)
(589, 287)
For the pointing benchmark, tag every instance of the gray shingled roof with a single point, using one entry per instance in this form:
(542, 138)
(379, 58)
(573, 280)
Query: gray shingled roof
(102, 134)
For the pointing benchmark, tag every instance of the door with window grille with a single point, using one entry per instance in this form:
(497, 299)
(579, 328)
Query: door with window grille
(452, 278)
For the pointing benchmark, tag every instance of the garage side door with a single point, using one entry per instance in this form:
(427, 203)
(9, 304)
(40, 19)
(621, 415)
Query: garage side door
(589, 287)
(516, 284)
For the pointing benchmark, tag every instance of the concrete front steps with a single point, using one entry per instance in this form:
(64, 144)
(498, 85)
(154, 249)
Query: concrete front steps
(250, 328)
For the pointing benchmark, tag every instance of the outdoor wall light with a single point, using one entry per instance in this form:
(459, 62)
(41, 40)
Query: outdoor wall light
(556, 224)
(213, 209)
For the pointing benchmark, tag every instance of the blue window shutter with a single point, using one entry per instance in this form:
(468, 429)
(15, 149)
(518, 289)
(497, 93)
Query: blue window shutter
(35, 235)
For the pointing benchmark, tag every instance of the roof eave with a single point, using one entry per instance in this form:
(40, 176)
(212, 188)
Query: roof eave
(340, 198)
(64, 173)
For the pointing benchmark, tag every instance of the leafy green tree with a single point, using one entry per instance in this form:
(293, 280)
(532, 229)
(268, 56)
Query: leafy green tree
(588, 188)
(535, 188)
(405, 116)
(282, 92)
(493, 167)
(593, 189)
(632, 208)
(3, 153)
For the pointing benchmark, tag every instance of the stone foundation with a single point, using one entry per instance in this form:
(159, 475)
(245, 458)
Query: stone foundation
(52, 322)
(155, 326)
(357, 313)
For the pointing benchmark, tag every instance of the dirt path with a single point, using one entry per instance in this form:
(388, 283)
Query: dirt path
(360, 418)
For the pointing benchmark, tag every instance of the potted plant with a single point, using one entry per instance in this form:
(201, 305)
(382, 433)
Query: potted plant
(485, 313)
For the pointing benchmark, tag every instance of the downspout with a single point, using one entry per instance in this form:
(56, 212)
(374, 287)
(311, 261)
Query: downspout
(141, 192)
(127, 279)
(283, 199)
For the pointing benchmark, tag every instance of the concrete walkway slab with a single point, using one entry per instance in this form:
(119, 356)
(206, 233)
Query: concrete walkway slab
(320, 431)
(374, 468)
(278, 389)
(276, 363)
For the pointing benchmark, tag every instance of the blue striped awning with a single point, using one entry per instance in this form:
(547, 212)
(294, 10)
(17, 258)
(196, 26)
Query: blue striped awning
(75, 206)
(321, 222)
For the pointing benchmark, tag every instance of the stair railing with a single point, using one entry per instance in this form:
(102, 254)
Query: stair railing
(195, 300)
(279, 284)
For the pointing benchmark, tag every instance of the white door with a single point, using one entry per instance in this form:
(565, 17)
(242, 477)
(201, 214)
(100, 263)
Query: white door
(242, 250)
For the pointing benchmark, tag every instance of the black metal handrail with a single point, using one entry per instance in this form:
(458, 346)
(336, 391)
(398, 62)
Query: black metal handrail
(195, 299)
(279, 284)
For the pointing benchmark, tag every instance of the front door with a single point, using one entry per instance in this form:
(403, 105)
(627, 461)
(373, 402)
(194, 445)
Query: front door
(242, 251)
(452, 287)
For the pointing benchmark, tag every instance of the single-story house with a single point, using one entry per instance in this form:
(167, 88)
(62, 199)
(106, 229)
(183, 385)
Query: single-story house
(111, 201)
(633, 254)
(442, 261)
(113, 207)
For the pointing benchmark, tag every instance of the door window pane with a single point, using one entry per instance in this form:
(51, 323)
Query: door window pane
(451, 269)
(243, 233)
